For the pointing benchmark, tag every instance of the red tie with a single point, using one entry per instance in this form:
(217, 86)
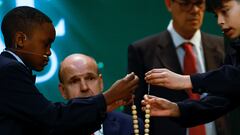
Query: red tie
(190, 67)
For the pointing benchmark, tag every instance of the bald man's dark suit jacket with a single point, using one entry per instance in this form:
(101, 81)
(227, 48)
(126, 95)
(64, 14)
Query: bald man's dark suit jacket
(158, 51)
(25, 111)
(118, 123)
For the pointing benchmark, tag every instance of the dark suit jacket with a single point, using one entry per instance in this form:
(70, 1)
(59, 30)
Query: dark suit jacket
(158, 51)
(118, 123)
(25, 111)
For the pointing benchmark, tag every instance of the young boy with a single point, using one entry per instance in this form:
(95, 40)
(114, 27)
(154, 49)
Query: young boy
(28, 34)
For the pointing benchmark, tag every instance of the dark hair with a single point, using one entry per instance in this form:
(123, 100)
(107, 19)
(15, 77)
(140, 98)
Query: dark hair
(211, 5)
(23, 19)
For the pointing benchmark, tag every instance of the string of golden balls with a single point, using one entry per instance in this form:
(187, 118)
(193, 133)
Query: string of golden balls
(147, 118)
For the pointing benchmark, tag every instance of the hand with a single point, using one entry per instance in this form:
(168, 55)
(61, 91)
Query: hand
(122, 89)
(160, 106)
(166, 78)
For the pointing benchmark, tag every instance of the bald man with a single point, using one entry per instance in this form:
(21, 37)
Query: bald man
(79, 77)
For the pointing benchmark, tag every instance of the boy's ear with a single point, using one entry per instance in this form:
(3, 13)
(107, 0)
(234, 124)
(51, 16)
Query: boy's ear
(101, 82)
(62, 90)
(20, 38)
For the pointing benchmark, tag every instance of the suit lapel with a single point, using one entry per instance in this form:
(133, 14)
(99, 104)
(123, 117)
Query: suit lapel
(210, 53)
(166, 53)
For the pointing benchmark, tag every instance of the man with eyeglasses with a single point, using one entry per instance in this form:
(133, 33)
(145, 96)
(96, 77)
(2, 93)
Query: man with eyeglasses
(166, 50)
(187, 5)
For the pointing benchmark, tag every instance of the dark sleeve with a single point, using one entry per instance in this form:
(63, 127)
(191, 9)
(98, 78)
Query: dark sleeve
(21, 100)
(135, 65)
(203, 111)
(225, 80)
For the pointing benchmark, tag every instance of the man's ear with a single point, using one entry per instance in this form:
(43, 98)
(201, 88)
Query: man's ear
(101, 82)
(62, 91)
(20, 38)
(168, 4)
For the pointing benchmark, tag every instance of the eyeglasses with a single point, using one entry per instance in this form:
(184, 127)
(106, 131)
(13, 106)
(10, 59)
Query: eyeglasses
(187, 5)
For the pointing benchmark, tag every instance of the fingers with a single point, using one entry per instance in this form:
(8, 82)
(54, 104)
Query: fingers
(145, 100)
(149, 96)
(156, 76)
(134, 81)
(156, 70)
(148, 99)
(129, 77)
(131, 81)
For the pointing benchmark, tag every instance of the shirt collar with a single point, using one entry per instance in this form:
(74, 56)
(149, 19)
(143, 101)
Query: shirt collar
(179, 40)
(15, 56)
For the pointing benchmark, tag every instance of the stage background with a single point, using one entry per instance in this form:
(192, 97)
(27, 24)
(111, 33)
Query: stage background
(102, 29)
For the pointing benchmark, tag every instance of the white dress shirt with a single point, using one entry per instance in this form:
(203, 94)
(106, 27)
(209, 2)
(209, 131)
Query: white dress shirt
(178, 40)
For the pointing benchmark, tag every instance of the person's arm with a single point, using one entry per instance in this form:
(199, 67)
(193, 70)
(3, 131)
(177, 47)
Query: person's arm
(207, 109)
(224, 80)
(21, 100)
(190, 113)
